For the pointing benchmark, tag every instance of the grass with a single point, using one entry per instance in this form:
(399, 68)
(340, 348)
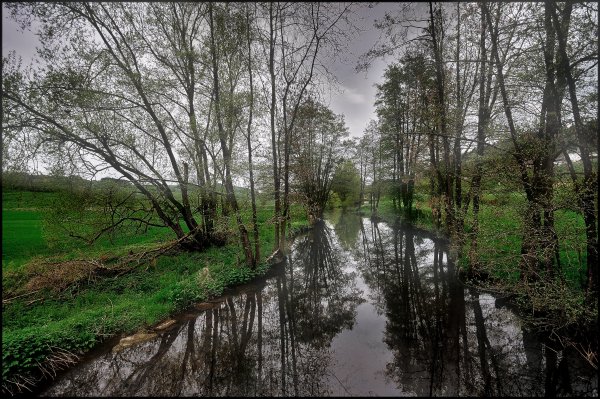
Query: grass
(24, 236)
(500, 234)
(21, 236)
(76, 319)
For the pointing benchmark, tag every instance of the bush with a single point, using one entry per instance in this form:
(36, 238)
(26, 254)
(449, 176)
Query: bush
(334, 201)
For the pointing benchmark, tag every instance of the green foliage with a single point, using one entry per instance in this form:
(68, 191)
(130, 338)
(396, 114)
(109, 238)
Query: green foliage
(23, 350)
(103, 209)
(27, 200)
(346, 183)
(334, 201)
(18, 182)
(318, 145)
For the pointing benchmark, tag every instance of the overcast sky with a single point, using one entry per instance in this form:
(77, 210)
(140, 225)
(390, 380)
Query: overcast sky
(355, 101)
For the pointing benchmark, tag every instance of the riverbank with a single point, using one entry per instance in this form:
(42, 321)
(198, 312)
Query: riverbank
(357, 308)
(58, 305)
(556, 305)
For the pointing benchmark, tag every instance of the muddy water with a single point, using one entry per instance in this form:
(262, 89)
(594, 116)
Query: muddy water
(359, 308)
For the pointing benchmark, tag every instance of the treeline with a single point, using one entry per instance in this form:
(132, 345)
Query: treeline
(488, 92)
(21, 181)
(181, 99)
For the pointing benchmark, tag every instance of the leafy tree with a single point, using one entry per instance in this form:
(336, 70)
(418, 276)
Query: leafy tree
(346, 183)
(463, 60)
(317, 147)
(106, 94)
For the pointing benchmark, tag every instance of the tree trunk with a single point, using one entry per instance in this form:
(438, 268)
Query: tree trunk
(447, 179)
(256, 258)
(459, 225)
(482, 122)
(276, 180)
(549, 129)
(230, 194)
(529, 249)
(588, 190)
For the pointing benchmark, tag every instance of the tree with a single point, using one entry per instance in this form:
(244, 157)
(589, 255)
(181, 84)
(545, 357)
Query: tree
(391, 112)
(362, 161)
(346, 183)
(587, 190)
(427, 50)
(230, 54)
(124, 95)
(299, 35)
(518, 52)
(372, 152)
(485, 104)
(316, 147)
(402, 120)
(539, 244)
(249, 141)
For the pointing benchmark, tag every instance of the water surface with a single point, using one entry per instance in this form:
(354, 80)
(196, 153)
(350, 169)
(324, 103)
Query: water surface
(358, 309)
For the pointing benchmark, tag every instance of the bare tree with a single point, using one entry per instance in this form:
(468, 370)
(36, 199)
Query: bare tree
(230, 53)
(299, 34)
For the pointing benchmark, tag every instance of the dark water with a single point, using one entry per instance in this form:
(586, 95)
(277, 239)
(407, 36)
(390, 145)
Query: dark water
(359, 308)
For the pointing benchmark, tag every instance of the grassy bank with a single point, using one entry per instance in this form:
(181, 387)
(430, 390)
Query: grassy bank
(66, 307)
(500, 234)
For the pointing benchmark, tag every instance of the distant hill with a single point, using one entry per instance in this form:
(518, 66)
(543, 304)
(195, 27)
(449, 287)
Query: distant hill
(20, 181)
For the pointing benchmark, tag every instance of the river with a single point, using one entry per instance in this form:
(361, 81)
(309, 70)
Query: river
(358, 309)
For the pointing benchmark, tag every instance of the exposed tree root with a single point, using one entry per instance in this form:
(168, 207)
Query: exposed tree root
(59, 359)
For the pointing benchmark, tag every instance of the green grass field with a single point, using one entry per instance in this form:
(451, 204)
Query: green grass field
(21, 236)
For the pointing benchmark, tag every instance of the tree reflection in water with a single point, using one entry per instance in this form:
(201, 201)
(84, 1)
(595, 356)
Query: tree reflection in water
(272, 339)
(448, 340)
(288, 335)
